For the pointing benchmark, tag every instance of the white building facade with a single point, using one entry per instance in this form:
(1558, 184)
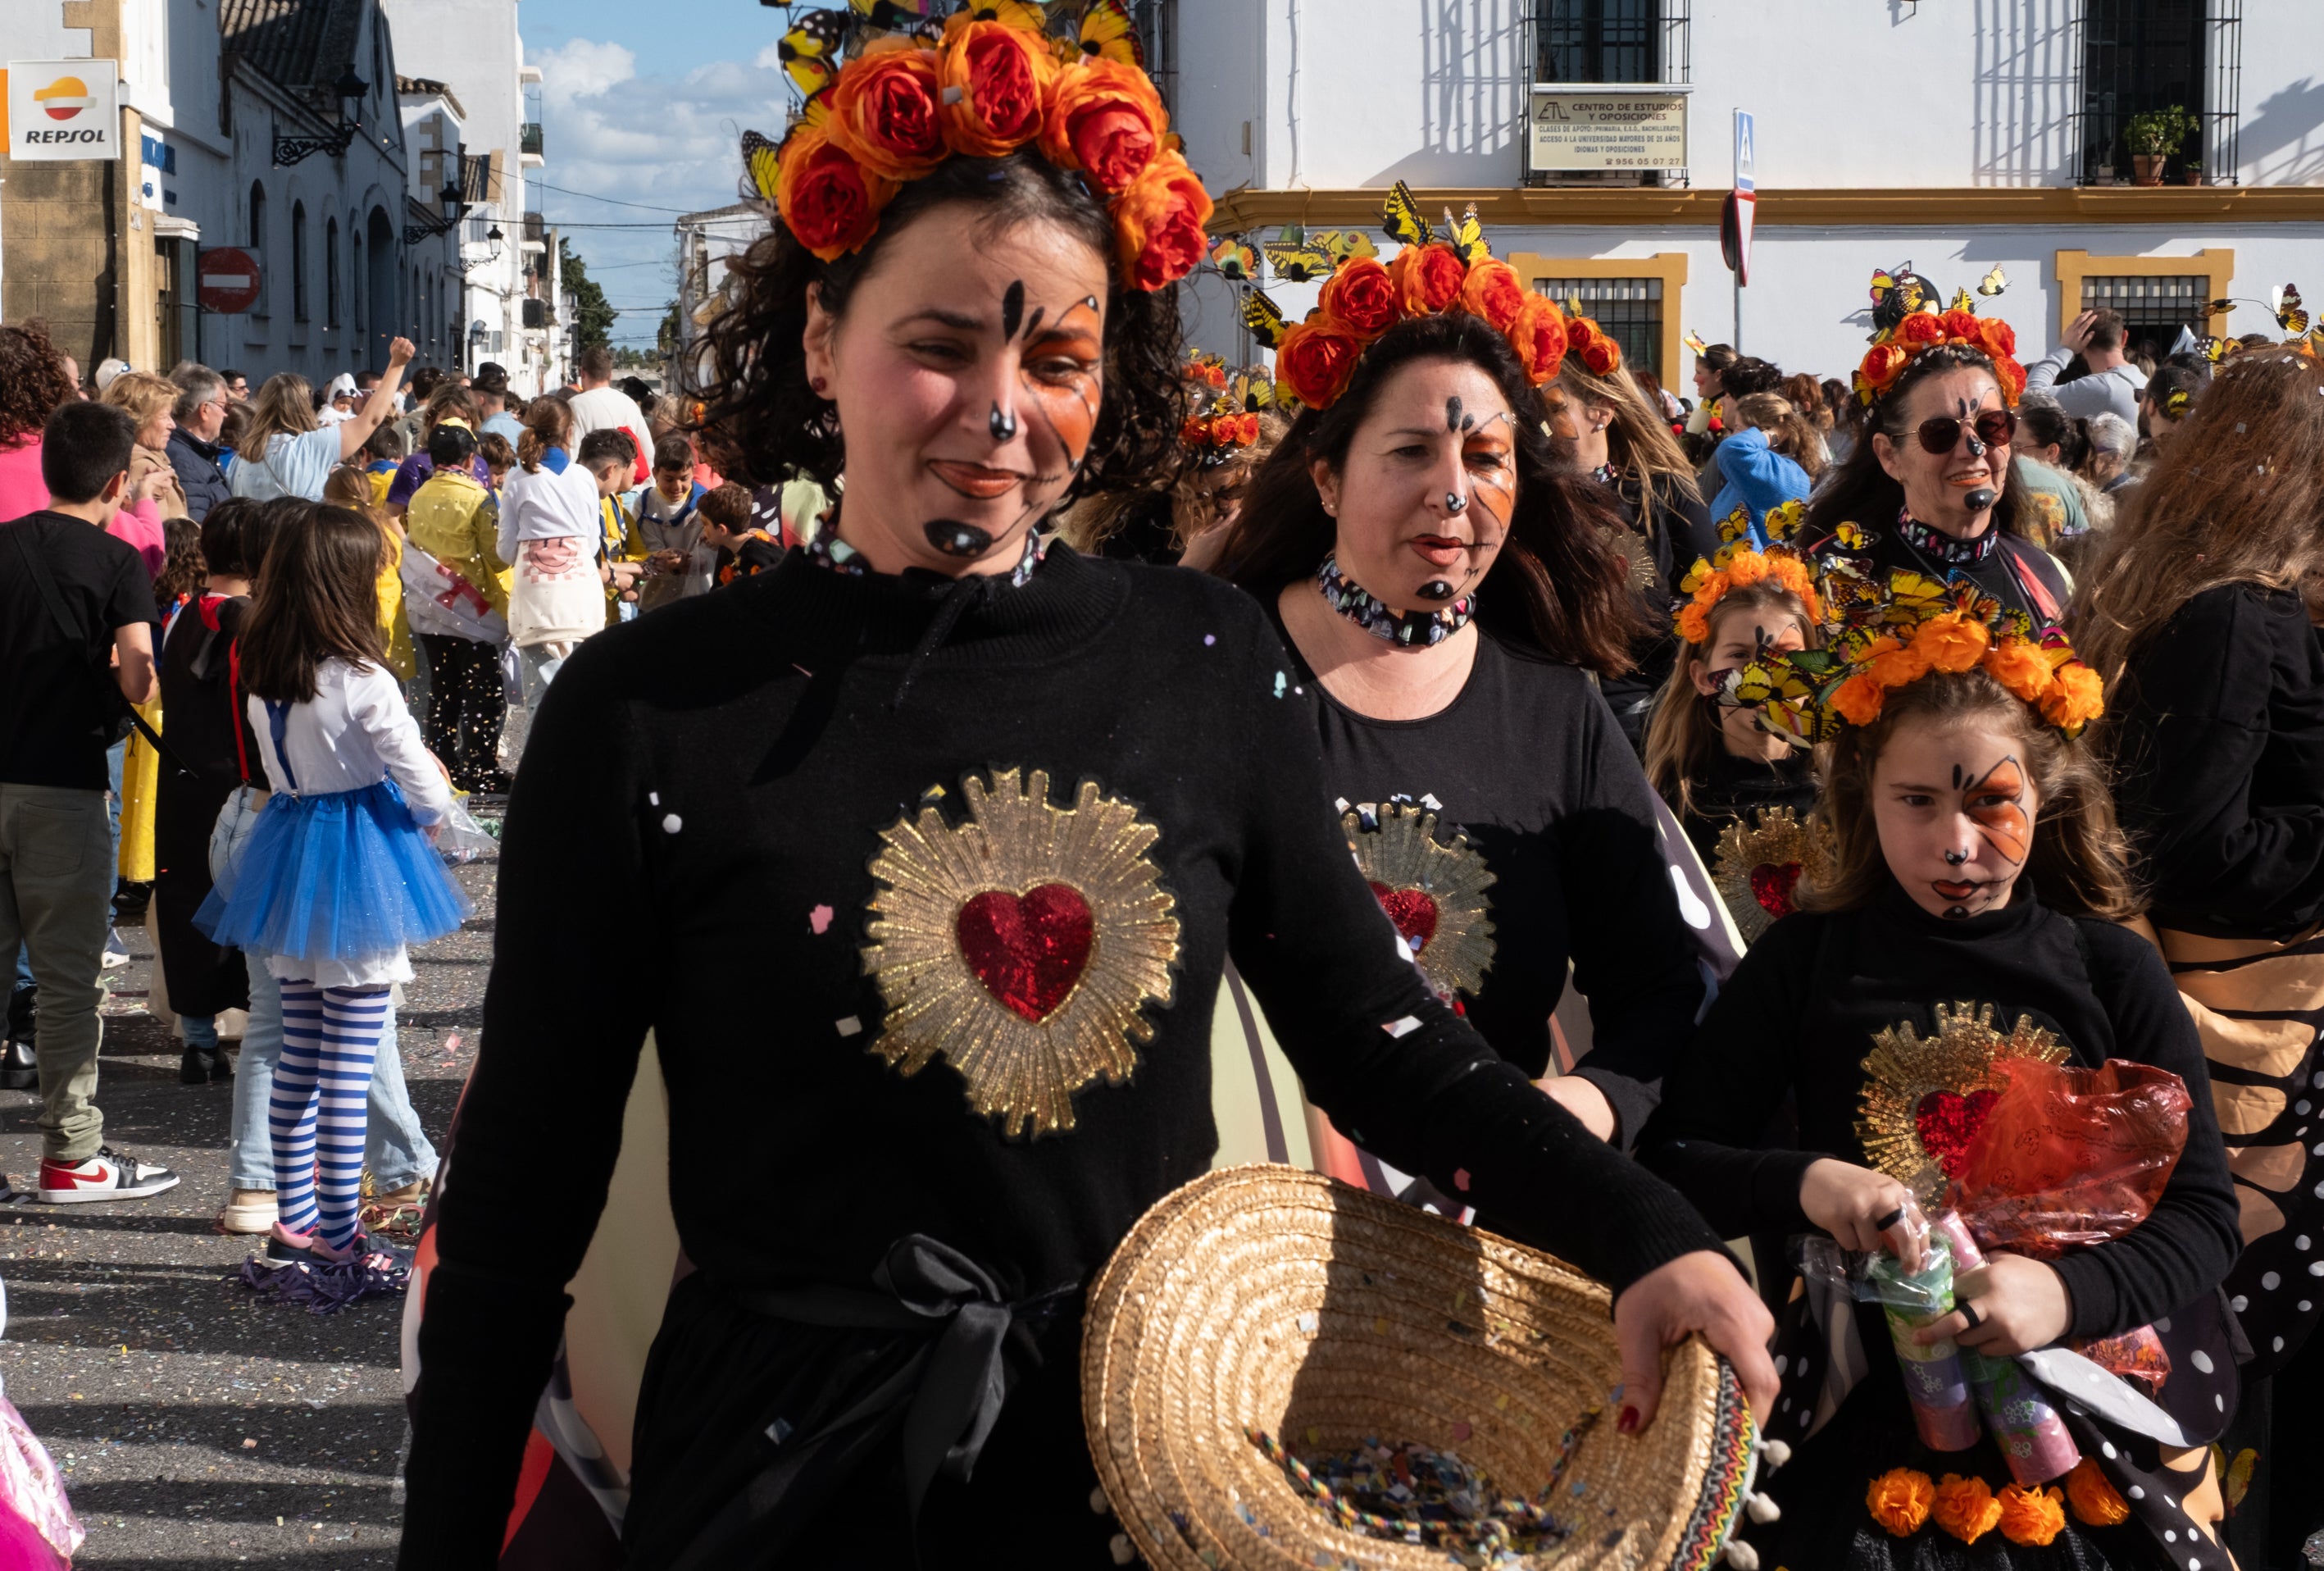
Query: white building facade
(471, 51)
(1959, 135)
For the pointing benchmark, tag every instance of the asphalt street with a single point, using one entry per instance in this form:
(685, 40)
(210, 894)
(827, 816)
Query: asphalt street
(195, 1426)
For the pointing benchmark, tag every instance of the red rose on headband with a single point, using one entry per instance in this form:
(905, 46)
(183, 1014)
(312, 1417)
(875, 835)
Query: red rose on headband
(828, 200)
(1159, 224)
(1315, 360)
(1965, 325)
(1589, 342)
(1920, 330)
(995, 80)
(1883, 364)
(1361, 298)
(2012, 377)
(1998, 338)
(1541, 336)
(1427, 278)
(1105, 119)
(1493, 291)
(883, 110)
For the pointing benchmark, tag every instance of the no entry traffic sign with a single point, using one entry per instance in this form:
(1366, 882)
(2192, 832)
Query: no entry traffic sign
(228, 277)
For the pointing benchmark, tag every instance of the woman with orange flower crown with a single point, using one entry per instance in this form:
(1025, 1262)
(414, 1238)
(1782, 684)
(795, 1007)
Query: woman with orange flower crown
(2012, 1348)
(1606, 425)
(1004, 814)
(2202, 610)
(1741, 791)
(1929, 487)
(1484, 787)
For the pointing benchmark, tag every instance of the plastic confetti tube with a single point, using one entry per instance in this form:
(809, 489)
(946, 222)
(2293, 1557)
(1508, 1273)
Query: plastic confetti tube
(2032, 1437)
(1935, 1381)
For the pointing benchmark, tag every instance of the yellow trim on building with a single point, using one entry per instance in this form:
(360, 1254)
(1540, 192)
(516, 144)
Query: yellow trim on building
(1670, 266)
(1247, 208)
(2074, 266)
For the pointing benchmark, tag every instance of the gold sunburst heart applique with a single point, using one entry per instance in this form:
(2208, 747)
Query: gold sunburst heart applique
(1761, 858)
(1021, 945)
(1927, 1097)
(1434, 893)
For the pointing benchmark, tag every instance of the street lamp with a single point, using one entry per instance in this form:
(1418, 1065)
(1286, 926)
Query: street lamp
(349, 89)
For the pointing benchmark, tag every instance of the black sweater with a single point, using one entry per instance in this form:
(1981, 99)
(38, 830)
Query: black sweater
(723, 770)
(1673, 529)
(1729, 787)
(2219, 768)
(1800, 1014)
(1527, 766)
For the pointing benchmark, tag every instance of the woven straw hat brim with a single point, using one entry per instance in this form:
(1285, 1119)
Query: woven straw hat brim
(1285, 1301)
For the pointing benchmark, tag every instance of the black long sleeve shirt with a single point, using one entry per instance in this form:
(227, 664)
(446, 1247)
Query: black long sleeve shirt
(2219, 765)
(719, 775)
(1527, 767)
(1800, 1014)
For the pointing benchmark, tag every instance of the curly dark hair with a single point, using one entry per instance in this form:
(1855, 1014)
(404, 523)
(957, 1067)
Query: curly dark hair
(771, 421)
(1573, 597)
(1861, 491)
(33, 380)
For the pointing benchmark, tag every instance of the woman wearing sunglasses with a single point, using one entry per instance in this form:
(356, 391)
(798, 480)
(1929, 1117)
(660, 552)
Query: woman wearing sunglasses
(1931, 489)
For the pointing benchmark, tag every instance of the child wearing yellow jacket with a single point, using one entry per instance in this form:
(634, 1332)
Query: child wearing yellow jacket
(451, 529)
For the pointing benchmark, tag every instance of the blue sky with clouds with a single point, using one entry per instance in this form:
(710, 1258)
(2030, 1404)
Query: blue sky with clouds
(643, 103)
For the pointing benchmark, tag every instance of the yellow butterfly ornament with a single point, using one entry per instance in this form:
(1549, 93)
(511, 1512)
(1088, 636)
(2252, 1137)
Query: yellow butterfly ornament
(1235, 259)
(809, 52)
(1107, 32)
(1264, 318)
(1400, 217)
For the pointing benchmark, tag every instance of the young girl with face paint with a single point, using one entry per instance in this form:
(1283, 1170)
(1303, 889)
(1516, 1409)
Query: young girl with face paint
(1976, 887)
(1001, 816)
(1445, 587)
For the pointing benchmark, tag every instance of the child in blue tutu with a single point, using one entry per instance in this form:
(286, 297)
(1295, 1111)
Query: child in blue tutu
(341, 876)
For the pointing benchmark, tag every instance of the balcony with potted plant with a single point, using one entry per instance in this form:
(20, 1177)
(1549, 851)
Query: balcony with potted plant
(2154, 137)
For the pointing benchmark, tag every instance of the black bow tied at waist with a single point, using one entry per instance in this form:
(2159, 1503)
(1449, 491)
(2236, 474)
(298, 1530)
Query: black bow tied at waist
(912, 1372)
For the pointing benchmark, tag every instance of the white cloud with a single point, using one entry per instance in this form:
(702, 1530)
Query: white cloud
(666, 142)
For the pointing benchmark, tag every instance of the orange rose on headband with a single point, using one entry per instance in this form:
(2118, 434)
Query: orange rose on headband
(994, 81)
(1859, 699)
(2012, 377)
(1158, 224)
(1883, 364)
(883, 110)
(1540, 336)
(1427, 278)
(1920, 330)
(2020, 667)
(828, 200)
(1105, 119)
(1315, 360)
(1492, 291)
(1360, 297)
(2077, 697)
(1965, 325)
(1599, 352)
(1996, 338)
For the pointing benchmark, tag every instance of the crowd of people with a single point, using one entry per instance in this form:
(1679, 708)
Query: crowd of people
(1006, 676)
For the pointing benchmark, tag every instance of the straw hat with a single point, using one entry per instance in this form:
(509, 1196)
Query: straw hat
(1270, 1299)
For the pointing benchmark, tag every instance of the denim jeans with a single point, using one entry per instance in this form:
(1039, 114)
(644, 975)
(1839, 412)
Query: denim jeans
(395, 1148)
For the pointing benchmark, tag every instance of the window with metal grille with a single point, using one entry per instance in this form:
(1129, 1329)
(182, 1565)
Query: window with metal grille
(1630, 310)
(2139, 56)
(2153, 310)
(1598, 40)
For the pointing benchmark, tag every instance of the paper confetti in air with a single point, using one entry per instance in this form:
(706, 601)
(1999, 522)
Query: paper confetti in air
(819, 919)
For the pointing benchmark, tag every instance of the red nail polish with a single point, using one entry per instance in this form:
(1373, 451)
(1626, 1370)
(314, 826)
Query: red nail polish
(1628, 1423)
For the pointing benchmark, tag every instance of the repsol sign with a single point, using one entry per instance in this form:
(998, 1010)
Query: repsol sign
(94, 136)
(63, 109)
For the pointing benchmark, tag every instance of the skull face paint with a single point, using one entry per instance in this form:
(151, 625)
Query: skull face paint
(1955, 809)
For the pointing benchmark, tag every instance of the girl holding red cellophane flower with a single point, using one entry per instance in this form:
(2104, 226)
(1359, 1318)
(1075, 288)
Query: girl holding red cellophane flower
(2005, 1125)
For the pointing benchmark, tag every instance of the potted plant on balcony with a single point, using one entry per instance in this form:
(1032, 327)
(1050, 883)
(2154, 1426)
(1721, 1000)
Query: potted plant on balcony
(2194, 172)
(2153, 137)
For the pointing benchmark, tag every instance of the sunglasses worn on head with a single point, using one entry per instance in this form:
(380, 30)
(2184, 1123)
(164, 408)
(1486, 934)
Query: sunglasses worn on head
(1993, 428)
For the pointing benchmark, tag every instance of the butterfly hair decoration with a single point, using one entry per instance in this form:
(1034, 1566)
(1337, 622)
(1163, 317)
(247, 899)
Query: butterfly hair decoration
(1236, 260)
(1693, 342)
(1401, 219)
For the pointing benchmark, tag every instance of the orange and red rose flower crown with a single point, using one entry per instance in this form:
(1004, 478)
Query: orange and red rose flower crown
(1316, 359)
(1913, 326)
(984, 89)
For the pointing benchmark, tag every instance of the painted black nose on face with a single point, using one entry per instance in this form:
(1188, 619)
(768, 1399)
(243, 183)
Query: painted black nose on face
(1455, 503)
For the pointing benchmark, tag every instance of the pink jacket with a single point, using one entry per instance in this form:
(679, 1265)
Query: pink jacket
(140, 524)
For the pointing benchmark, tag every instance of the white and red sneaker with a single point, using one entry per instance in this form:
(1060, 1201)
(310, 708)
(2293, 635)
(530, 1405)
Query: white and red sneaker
(106, 1176)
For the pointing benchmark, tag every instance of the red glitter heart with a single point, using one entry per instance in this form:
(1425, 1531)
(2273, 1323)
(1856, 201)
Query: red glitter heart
(1028, 950)
(1771, 887)
(1947, 1120)
(1412, 910)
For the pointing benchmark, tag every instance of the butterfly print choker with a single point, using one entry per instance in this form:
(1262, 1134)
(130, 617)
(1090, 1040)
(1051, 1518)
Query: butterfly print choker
(1944, 549)
(1413, 629)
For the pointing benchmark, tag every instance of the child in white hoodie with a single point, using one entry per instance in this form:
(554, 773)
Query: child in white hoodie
(552, 534)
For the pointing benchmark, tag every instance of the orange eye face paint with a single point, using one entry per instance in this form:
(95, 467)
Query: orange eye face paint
(1058, 373)
(1996, 803)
